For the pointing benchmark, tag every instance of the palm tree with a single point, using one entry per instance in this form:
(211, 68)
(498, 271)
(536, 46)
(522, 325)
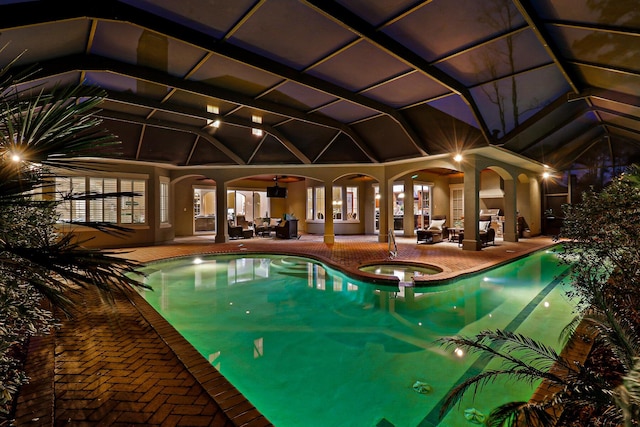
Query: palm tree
(603, 249)
(41, 131)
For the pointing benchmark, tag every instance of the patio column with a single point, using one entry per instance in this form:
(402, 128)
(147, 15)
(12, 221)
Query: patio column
(408, 222)
(222, 229)
(329, 236)
(384, 209)
(535, 206)
(510, 231)
(471, 172)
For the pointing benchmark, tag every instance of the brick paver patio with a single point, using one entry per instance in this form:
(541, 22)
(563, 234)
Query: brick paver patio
(121, 364)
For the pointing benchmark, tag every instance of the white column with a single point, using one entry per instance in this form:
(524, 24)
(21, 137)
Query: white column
(510, 231)
(471, 172)
(408, 223)
(329, 236)
(222, 229)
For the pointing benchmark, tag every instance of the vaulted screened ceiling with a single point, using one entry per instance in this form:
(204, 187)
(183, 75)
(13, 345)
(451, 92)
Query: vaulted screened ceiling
(350, 81)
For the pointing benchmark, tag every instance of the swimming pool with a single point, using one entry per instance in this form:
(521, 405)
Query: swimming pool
(310, 346)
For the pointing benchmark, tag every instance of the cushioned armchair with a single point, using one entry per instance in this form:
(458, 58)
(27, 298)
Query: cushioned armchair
(487, 234)
(435, 232)
(235, 231)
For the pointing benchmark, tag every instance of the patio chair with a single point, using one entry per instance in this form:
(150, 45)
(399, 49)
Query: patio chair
(435, 232)
(486, 233)
(235, 231)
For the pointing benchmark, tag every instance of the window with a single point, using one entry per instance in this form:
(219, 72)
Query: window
(249, 205)
(310, 203)
(71, 210)
(344, 203)
(103, 209)
(319, 205)
(197, 203)
(422, 204)
(352, 203)
(132, 209)
(457, 205)
(336, 202)
(164, 200)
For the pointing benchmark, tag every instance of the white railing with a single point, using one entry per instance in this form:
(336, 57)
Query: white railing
(393, 247)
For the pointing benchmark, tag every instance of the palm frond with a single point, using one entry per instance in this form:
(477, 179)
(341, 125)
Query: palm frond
(55, 268)
(57, 125)
(521, 414)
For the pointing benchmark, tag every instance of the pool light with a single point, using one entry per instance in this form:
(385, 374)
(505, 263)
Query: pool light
(197, 261)
(459, 352)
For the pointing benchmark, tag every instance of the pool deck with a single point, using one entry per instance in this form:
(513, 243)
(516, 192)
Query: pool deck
(121, 364)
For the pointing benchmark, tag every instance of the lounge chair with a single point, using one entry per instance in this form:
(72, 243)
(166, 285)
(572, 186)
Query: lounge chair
(486, 233)
(247, 226)
(235, 231)
(435, 232)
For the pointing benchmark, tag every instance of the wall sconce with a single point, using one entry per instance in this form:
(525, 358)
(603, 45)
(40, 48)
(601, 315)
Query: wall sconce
(457, 157)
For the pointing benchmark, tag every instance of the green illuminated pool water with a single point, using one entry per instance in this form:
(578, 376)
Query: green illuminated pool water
(309, 346)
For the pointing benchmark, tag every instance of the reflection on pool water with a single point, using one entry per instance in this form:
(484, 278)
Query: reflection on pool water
(310, 346)
(404, 272)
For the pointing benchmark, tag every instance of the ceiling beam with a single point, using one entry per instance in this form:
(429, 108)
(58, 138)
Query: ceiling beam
(130, 118)
(352, 22)
(96, 63)
(555, 128)
(607, 95)
(118, 11)
(611, 69)
(615, 113)
(610, 29)
(546, 111)
(528, 13)
(192, 112)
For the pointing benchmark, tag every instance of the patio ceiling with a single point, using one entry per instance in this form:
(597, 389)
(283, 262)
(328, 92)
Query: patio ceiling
(350, 81)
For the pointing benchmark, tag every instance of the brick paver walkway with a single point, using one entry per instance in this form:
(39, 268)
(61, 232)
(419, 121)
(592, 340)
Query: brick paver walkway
(123, 365)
